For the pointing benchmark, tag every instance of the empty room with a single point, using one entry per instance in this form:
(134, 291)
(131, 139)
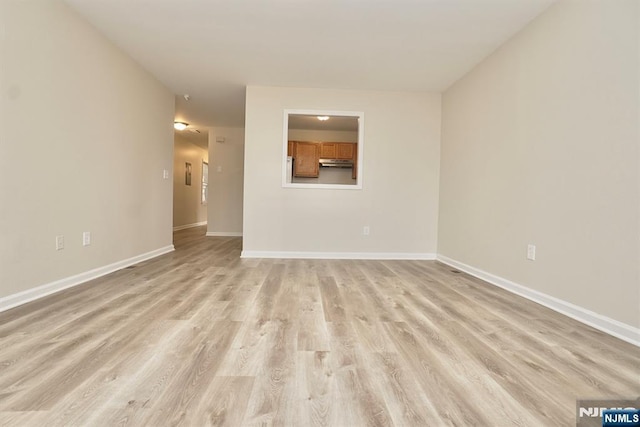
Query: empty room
(332, 213)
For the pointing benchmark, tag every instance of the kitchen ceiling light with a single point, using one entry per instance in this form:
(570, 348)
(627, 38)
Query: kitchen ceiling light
(323, 118)
(180, 125)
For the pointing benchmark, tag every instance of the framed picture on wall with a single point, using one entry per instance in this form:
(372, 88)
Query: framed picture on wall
(187, 173)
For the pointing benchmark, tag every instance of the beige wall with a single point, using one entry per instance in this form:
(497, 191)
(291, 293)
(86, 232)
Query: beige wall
(399, 198)
(187, 205)
(89, 137)
(540, 145)
(322, 135)
(226, 176)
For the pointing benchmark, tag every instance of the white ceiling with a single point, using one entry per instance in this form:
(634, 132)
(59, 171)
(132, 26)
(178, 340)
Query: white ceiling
(212, 49)
(200, 138)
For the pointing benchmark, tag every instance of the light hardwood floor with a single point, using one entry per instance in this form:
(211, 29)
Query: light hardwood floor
(200, 337)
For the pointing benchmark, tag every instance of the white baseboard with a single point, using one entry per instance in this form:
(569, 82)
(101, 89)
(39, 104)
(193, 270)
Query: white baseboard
(23, 297)
(224, 233)
(184, 227)
(337, 255)
(605, 324)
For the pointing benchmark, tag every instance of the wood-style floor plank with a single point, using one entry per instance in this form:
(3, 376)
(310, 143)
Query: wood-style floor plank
(202, 337)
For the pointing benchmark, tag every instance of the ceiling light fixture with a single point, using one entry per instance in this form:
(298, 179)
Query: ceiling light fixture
(180, 125)
(323, 118)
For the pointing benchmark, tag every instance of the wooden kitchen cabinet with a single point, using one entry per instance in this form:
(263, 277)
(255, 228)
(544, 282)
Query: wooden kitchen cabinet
(345, 150)
(354, 170)
(327, 150)
(291, 148)
(306, 159)
(337, 150)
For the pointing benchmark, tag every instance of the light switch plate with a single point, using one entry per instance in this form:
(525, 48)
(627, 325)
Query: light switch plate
(531, 252)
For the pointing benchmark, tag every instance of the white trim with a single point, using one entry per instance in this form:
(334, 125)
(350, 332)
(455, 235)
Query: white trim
(23, 297)
(612, 327)
(322, 186)
(224, 233)
(338, 255)
(184, 227)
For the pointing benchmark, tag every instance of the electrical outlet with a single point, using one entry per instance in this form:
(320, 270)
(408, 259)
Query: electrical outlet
(365, 230)
(59, 243)
(531, 252)
(165, 174)
(86, 238)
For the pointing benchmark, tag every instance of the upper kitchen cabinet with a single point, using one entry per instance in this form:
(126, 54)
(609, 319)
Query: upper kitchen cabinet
(337, 150)
(306, 161)
(328, 150)
(345, 150)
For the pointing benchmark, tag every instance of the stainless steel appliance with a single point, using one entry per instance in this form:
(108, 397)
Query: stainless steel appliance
(289, 171)
(336, 163)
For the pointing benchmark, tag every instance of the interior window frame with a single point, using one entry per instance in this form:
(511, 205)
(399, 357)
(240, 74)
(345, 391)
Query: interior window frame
(360, 148)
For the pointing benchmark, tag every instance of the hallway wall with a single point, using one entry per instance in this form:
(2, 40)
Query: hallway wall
(188, 209)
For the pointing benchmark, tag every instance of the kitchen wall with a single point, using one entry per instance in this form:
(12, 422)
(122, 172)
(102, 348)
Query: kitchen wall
(339, 176)
(326, 175)
(399, 198)
(187, 204)
(322, 135)
(540, 146)
(84, 139)
(226, 177)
